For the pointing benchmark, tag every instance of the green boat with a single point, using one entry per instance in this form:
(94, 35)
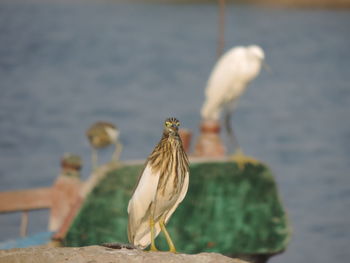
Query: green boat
(229, 210)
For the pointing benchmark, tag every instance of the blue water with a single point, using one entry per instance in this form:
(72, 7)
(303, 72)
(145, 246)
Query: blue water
(36, 239)
(65, 65)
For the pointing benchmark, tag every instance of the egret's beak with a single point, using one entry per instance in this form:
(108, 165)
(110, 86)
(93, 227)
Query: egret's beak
(266, 67)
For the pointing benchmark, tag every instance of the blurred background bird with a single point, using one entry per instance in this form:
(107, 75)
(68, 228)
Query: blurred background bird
(100, 135)
(227, 82)
(161, 187)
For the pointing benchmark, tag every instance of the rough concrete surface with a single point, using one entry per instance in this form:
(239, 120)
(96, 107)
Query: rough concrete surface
(99, 254)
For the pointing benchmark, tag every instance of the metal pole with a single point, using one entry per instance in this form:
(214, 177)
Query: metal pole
(24, 224)
(221, 29)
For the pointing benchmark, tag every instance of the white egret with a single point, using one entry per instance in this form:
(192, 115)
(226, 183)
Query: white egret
(227, 82)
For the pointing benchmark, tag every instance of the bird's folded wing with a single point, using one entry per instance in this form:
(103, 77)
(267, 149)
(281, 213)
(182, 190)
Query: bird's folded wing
(181, 197)
(141, 200)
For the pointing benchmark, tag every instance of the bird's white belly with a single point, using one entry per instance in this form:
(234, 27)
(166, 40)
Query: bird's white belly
(112, 133)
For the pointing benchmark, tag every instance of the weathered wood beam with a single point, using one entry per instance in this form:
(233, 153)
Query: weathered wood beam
(22, 200)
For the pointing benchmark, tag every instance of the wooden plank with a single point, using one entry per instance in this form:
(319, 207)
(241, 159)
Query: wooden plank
(33, 199)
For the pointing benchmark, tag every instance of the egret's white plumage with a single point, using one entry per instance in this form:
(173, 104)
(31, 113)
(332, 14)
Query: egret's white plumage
(161, 187)
(227, 82)
(229, 78)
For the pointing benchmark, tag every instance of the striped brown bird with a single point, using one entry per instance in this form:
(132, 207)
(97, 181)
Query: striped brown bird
(160, 189)
(100, 135)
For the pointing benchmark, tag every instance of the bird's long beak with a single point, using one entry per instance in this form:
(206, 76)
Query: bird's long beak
(266, 67)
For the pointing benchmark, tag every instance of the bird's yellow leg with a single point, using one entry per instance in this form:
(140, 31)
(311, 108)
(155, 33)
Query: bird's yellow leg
(94, 159)
(117, 152)
(241, 159)
(167, 236)
(153, 245)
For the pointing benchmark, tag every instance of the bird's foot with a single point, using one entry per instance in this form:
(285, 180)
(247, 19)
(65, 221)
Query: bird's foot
(153, 248)
(242, 160)
(172, 250)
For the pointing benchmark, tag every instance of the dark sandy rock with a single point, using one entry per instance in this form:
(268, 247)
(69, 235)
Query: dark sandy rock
(99, 254)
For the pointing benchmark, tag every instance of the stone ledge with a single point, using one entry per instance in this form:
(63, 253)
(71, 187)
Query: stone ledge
(99, 254)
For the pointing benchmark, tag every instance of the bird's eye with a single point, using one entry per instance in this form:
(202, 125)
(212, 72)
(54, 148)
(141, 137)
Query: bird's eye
(167, 123)
(178, 124)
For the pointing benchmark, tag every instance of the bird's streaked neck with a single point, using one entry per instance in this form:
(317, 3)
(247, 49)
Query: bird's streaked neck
(171, 135)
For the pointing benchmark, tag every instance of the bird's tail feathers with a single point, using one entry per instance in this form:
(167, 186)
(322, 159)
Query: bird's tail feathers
(210, 111)
(142, 236)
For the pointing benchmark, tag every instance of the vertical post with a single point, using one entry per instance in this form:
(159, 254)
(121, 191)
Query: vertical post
(209, 143)
(24, 224)
(65, 191)
(221, 29)
(186, 137)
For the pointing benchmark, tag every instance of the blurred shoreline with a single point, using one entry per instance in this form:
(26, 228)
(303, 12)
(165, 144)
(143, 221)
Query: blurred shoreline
(307, 4)
(334, 4)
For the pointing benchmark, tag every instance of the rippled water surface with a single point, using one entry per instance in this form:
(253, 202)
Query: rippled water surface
(64, 65)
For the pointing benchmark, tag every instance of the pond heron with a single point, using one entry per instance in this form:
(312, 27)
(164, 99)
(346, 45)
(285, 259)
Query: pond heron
(100, 135)
(161, 187)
